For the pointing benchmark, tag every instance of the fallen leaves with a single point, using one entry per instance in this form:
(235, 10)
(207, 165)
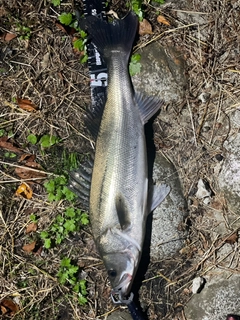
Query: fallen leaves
(32, 227)
(26, 104)
(29, 247)
(8, 144)
(8, 307)
(25, 191)
(233, 238)
(7, 36)
(145, 27)
(163, 20)
(26, 172)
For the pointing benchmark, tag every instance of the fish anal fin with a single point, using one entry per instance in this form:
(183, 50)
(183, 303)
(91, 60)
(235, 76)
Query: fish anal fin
(148, 106)
(92, 119)
(122, 212)
(157, 194)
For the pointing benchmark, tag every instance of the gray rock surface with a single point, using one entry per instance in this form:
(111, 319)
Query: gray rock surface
(162, 73)
(167, 232)
(120, 315)
(219, 297)
(229, 177)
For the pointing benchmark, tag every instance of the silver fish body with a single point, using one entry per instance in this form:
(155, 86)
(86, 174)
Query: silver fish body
(120, 195)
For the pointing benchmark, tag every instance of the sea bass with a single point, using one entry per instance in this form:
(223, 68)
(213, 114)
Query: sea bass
(120, 195)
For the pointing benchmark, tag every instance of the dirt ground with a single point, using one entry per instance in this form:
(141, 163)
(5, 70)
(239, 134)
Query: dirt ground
(46, 70)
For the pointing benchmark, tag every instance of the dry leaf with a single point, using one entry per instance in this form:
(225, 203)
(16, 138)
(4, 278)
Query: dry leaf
(26, 104)
(9, 36)
(25, 191)
(69, 30)
(162, 19)
(29, 247)
(144, 27)
(232, 239)
(25, 173)
(27, 157)
(32, 227)
(6, 143)
(8, 306)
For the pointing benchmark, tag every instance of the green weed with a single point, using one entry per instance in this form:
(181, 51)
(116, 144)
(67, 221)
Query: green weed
(45, 141)
(137, 6)
(135, 65)
(80, 43)
(25, 32)
(68, 274)
(56, 2)
(57, 189)
(71, 221)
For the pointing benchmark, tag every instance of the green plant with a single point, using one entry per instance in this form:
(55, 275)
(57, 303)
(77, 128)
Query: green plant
(71, 221)
(66, 18)
(47, 141)
(25, 32)
(33, 218)
(32, 138)
(135, 65)
(10, 155)
(68, 274)
(56, 2)
(80, 43)
(57, 189)
(136, 6)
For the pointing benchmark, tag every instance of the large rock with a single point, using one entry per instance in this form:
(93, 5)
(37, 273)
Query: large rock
(167, 226)
(162, 73)
(229, 177)
(219, 297)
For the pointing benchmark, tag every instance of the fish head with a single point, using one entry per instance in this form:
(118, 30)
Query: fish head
(121, 267)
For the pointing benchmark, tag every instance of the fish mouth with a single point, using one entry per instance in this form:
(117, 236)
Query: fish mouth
(124, 286)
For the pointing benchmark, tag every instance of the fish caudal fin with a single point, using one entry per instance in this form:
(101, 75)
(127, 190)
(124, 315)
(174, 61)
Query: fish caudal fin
(113, 37)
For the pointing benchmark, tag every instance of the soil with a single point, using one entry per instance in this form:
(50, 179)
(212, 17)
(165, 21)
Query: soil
(40, 65)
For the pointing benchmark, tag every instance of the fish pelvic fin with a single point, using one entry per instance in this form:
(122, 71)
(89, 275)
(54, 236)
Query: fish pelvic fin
(157, 194)
(117, 36)
(148, 106)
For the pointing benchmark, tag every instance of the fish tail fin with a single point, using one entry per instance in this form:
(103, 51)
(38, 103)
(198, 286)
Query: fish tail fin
(113, 37)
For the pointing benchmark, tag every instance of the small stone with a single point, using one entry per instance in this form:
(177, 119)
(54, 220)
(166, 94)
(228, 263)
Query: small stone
(202, 192)
(198, 284)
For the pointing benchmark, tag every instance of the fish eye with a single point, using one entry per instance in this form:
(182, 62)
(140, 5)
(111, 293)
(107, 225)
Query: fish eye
(112, 273)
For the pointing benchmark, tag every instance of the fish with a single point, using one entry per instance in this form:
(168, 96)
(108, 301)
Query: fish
(121, 195)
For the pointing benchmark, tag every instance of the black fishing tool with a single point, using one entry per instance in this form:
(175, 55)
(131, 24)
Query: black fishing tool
(97, 67)
(132, 307)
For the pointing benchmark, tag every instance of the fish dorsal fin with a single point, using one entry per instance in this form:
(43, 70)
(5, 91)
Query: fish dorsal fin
(157, 193)
(122, 212)
(148, 106)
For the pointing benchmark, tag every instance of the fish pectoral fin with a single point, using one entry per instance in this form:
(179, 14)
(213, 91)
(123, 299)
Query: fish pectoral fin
(148, 106)
(157, 194)
(122, 212)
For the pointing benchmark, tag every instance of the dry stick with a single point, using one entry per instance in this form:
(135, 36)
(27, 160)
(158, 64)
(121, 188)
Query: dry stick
(216, 115)
(216, 248)
(161, 34)
(191, 117)
(28, 168)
